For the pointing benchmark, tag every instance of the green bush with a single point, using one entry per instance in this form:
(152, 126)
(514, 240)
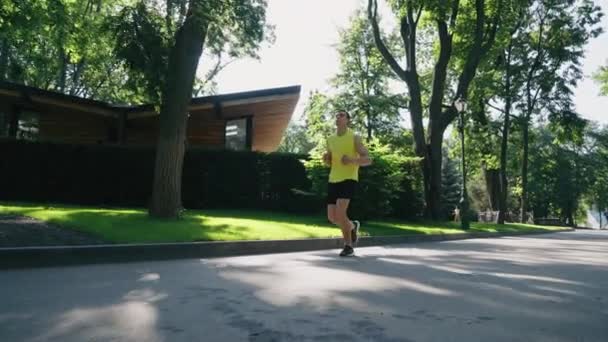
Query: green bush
(122, 176)
(390, 187)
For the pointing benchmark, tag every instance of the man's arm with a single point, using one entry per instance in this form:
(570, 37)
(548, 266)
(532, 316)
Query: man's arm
(327, 158)
(364, 159)
(327, 155)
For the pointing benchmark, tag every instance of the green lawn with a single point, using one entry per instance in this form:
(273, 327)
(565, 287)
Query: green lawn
(134, 225)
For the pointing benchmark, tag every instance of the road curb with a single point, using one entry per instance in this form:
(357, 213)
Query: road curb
(24, 257)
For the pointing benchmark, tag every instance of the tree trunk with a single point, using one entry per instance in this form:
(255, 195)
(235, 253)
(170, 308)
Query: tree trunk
(177, 93)
(76, 76)
(570, 218)
(4, 48)
(370, 123)
(492, 178)
(63, 67)
(435, 156)
(524, 173)
(504, 186)
(423, 150)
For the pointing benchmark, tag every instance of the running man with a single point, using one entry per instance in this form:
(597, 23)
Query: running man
(345, 154)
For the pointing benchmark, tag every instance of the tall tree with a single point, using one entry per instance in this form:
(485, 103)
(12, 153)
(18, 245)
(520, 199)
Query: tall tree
(597, 156)
(362, 81)
(561, 173)
(483, 149)
(496, 82)
(165, 45)
(530, 72)
(553, 49)
(495, 91)
(509, 91)
(465, 34)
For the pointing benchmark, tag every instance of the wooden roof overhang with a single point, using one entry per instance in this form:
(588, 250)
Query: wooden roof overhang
(30, 98)
(271, 110)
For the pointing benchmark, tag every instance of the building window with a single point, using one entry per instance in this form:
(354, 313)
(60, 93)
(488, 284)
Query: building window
(28, 125)
(238, 136)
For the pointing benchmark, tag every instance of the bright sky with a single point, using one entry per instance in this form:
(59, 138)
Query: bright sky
(588, 102)
(303, 54)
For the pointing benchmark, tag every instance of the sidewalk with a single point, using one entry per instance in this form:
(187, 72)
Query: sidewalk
(23, 257)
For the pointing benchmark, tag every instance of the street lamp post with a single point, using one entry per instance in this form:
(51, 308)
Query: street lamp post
(461, 106)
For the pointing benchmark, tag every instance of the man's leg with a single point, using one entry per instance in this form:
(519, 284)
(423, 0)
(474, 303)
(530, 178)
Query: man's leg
(331, 213)
(347, 191)
(342, 220)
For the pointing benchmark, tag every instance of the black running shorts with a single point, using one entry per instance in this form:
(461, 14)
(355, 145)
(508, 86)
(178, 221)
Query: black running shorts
(344, 189)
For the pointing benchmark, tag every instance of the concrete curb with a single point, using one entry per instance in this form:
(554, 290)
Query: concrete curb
(23, 257)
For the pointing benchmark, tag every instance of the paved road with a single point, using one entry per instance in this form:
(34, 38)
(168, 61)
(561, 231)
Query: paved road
(536, 288)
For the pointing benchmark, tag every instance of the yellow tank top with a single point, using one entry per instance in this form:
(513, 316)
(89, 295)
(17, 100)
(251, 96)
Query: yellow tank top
(340, 145)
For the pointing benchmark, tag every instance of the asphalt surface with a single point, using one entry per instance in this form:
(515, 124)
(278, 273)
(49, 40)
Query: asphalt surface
(550, 287)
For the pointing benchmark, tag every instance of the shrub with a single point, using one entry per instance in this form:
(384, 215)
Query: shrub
(122, 176)
(390, 187)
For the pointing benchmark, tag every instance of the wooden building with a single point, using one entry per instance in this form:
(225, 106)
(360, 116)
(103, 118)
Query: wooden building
(253, 120)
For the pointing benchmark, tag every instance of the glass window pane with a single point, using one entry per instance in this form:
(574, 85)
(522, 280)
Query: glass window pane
(28, 125)
(236, 134)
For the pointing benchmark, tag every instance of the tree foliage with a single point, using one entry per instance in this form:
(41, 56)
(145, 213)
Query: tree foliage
(596, 146)
(601, 77)
(296, 140)
(64, 45)
(362, 82)
(145, 32)
(465, 33)
(559, 176)
(529, 78)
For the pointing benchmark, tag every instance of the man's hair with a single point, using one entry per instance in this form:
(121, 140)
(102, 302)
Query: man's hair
(345, 112)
